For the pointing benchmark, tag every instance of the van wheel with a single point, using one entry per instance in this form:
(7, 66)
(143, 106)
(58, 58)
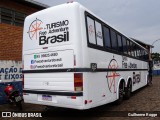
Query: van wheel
(128, 91)
(121, 93)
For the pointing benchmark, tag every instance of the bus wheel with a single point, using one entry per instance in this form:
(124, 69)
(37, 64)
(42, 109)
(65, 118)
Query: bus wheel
(121, 93)
(128, 90)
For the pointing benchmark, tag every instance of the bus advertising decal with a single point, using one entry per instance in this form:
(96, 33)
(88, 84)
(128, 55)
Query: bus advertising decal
(111, 76)
(49, 60)
(126, 64)
(60, 29)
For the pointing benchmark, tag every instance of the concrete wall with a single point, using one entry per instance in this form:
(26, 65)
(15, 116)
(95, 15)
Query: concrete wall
(10, 70)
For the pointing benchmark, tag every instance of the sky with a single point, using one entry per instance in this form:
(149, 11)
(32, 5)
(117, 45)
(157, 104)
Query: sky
(138, 19)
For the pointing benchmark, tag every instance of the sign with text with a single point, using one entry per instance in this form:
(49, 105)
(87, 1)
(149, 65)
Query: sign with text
(10, 70)
(49, 60)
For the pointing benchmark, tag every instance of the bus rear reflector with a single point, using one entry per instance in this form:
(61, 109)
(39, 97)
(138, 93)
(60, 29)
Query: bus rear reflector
(78, 81)
(85, 102)
(73, 97)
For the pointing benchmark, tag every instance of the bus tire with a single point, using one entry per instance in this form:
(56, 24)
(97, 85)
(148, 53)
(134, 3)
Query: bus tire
(128, 90)
(121, 93)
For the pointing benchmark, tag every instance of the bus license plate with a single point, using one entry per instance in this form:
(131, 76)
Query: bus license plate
(46, 97)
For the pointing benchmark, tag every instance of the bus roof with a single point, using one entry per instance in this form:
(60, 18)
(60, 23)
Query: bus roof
(76, 4)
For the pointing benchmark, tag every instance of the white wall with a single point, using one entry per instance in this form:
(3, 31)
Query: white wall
(10, 70)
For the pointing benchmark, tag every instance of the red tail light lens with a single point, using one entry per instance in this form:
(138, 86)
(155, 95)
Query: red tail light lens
(78, 81)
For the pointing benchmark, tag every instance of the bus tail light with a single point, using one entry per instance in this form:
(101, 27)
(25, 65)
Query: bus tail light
(73, 97)
(78, 81)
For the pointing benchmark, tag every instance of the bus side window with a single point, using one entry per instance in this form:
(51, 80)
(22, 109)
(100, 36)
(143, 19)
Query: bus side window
(91, 30)
(107, 39)
(142, 54)
(99, 35)
(124, 45)
(138, 52)
(114, 40)
(132, 49)
(146, 56)
(120, 46)
(128, 47)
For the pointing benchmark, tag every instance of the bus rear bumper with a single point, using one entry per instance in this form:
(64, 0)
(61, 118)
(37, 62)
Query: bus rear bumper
(74, 102)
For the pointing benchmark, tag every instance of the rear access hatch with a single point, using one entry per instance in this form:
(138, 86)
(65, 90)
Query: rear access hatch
(48, 71)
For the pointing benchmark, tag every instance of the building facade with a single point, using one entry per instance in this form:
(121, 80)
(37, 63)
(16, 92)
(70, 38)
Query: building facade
(12, 15)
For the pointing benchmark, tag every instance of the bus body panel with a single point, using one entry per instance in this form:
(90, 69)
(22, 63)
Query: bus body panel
(97, 82)
(58, 101)
(98, 87)
(49, 81)
(53, 47)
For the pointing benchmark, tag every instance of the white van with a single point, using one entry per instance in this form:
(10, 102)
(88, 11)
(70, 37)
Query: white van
(69, 63)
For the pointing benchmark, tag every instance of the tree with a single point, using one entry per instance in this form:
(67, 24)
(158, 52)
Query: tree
(156, 56)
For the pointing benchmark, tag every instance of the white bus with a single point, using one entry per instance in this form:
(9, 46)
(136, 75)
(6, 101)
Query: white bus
(73, 59)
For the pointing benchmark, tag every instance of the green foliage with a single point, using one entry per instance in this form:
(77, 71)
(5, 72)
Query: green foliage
(156, 56)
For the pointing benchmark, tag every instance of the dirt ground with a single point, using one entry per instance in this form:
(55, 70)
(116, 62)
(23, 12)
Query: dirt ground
(143, 101)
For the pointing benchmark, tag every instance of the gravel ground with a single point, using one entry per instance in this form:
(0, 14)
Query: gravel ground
(146, 99)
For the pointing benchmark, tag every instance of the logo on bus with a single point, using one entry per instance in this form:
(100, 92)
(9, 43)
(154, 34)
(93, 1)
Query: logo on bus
(49, 33)
(112, 75)
(34, 29)
(91, 30)
(33, 61)
(32, 66)
(36, 56)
